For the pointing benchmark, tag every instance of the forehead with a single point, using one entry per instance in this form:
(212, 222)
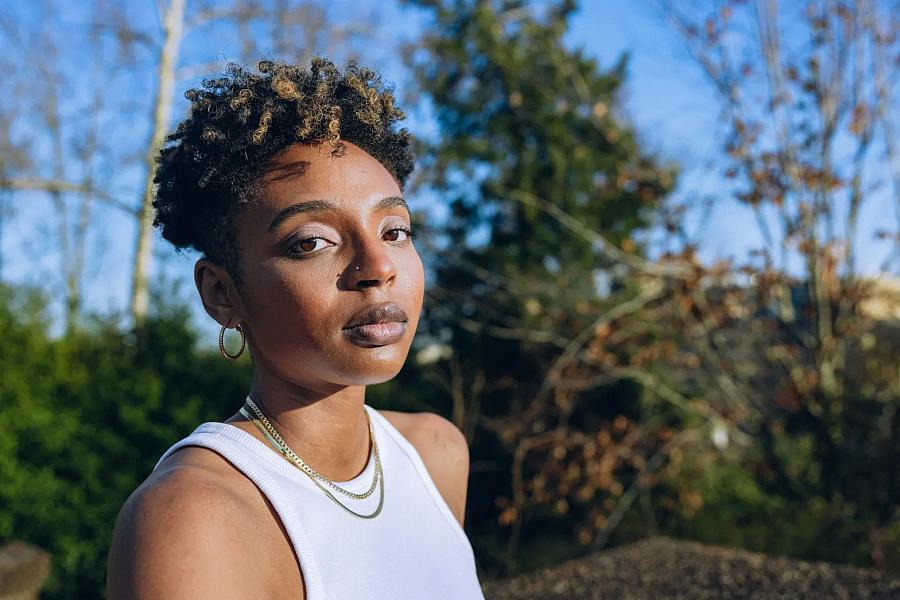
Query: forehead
(350, 181)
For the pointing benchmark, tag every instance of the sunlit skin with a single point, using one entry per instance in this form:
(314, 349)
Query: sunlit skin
(297, 295)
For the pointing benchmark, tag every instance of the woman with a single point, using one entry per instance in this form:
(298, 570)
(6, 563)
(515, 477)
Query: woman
(289, 183)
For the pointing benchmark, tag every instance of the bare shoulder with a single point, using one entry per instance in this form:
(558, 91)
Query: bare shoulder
(186, 532)
(444, 450)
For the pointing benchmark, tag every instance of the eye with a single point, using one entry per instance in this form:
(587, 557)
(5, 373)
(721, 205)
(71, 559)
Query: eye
(305, 246)
(409, 234)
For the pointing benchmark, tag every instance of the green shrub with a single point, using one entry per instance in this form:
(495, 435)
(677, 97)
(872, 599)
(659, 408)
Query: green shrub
(84, 418)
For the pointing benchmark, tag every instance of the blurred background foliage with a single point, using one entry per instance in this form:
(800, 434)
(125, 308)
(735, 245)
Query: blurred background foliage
(608, 391)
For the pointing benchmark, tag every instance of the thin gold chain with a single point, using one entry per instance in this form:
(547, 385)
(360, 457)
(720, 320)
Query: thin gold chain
(297, 461)
(285, 449)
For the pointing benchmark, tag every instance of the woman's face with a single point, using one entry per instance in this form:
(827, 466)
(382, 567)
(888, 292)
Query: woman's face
(326, 240)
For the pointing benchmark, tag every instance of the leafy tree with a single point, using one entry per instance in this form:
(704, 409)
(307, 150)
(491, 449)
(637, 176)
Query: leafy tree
(530, 147)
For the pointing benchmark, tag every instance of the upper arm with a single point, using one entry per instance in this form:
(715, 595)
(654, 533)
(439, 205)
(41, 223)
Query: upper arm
(178, 539)
(445, 452)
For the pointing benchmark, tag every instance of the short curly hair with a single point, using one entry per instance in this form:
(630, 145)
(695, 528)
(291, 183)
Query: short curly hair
(214, 161)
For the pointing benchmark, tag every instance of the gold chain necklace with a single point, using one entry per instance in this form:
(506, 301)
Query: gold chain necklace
(266, 427)
(272, 434)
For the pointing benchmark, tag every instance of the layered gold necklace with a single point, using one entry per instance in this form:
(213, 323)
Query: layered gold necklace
(268, 430)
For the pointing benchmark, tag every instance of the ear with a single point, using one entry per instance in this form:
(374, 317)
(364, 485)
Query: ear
(218, 293)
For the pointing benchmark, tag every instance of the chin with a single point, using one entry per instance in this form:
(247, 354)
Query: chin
(371, 377)
(375, 365)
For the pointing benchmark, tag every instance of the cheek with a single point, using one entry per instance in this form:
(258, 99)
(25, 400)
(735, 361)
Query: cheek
(410, 289)
(291, 306)
(417, 279)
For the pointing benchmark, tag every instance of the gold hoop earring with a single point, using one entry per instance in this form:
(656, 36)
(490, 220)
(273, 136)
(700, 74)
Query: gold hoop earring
(222, 343)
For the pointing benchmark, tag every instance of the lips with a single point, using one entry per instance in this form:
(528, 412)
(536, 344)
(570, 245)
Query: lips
(378, 334)
(386, 312)
(377, 325)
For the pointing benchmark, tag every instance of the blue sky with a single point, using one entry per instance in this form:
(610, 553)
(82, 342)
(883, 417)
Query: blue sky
(666, 97)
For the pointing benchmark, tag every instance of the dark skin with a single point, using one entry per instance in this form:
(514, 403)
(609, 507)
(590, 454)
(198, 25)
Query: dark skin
(310, 379)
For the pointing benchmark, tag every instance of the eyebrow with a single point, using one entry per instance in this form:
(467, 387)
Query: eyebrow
(320, 206)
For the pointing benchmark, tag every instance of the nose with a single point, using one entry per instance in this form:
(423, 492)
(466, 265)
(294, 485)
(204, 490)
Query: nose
(373, 265)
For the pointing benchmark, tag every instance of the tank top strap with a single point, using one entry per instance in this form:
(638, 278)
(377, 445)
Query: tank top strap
(422, 471)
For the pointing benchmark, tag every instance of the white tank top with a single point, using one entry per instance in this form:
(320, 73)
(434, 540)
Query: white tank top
(415, 548)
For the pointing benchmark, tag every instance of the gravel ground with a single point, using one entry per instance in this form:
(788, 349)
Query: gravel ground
(665, 568)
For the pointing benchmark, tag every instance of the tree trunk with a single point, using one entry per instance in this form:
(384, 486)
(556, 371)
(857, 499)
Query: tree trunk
(173, 25)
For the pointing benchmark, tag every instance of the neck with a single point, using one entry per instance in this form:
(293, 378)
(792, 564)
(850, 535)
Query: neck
(327, 429)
